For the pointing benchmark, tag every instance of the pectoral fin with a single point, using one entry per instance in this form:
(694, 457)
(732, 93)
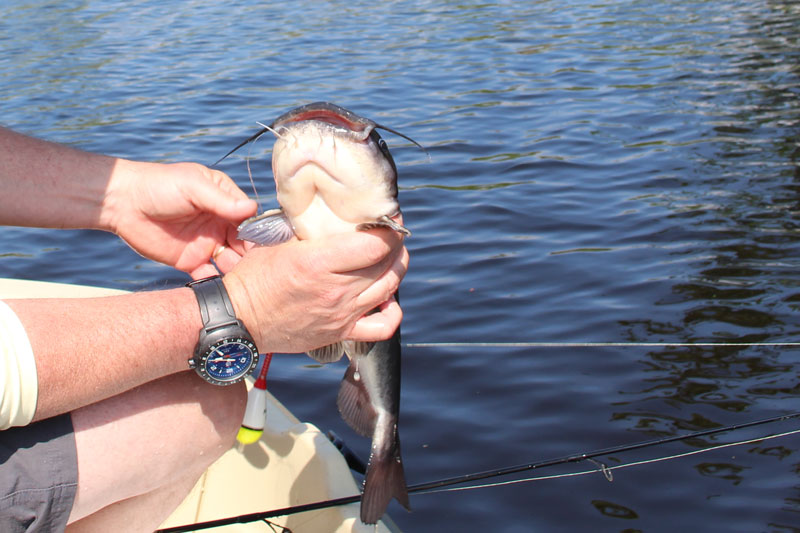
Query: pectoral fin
(384, 222)
(327, 354)
(269, 228)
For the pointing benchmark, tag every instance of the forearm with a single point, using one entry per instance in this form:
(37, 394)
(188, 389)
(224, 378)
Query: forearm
(50, 185)
(90, 349)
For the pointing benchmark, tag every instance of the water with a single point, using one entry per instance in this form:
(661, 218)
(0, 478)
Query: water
(618, 171)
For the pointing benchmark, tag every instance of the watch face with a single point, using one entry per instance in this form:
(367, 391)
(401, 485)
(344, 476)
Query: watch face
(228, 361)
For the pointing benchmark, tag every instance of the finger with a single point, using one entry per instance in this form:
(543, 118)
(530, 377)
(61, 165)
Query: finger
(358, 250)
(386, 285)
(378, 326)
(226, 258)
(368, 276)
(204, 271)
(226, 183)
(214, 198)
(233, 241)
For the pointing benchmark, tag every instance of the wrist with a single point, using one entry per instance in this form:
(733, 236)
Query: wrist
(225, 352)
(243, 306)
(117, 194)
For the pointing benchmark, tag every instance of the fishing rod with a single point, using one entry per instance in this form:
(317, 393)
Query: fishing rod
(434, 486)
(589, 456)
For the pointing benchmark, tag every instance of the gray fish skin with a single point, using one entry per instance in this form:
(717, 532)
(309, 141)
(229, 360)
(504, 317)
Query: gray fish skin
(369, 396)
(369, 401)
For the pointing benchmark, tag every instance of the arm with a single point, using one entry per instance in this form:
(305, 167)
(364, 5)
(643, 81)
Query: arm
(178, 214)
(50, 185)
(90, 349)
(292, 298)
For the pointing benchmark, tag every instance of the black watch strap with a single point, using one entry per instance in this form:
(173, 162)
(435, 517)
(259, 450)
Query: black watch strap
(216, 308)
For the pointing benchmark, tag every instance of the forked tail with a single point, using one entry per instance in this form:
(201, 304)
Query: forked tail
(385, 480)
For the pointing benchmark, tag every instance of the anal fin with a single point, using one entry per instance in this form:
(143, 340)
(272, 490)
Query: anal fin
(354, 402)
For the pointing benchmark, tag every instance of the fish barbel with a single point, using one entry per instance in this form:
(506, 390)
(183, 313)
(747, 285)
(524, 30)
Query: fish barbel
(334, 174)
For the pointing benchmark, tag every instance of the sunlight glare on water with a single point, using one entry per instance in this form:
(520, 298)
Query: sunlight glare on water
(600, 171)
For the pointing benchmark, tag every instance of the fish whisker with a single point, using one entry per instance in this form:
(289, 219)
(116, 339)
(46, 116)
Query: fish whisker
(274, 131)
(406, 137)
(248, 140)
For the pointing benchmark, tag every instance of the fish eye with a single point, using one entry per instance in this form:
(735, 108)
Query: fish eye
(383, 147)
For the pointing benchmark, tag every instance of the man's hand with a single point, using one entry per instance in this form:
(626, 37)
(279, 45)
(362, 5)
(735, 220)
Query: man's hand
(182, 214)
(302, 295)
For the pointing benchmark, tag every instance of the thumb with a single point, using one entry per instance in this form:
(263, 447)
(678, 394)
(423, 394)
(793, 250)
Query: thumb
(215, 199)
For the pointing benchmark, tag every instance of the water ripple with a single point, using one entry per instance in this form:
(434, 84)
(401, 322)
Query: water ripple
(600, 171)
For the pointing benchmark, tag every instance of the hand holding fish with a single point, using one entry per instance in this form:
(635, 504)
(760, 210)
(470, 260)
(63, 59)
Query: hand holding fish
(303, 295)
(181, 214)
(306, 294)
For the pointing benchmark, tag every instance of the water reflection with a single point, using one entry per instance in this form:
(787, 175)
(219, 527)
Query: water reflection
(738, 216)
(614, 510)
(726, 471)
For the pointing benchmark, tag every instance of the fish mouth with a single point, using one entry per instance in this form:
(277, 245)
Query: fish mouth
(339, 118)
(341, 121)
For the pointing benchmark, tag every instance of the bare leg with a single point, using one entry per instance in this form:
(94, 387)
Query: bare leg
(141, 452)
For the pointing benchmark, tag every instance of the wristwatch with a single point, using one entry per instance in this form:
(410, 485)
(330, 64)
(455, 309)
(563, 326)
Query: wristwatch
(225, 351)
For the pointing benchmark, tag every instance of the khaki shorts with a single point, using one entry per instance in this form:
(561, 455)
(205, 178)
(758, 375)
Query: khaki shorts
(38, 476)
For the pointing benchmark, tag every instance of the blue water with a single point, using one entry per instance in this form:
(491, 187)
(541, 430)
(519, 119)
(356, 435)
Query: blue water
(610, 171)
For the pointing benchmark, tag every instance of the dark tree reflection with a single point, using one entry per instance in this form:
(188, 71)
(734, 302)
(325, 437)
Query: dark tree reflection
(735, 222)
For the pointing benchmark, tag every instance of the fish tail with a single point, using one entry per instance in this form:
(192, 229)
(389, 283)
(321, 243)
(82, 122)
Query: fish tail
(385, 480)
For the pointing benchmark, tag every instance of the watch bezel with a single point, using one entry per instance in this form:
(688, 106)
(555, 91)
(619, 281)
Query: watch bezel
(200, 360)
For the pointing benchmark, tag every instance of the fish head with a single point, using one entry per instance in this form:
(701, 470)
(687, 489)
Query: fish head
(332, 170)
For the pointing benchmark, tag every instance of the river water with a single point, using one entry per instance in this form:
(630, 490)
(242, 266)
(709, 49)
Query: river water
(600, 171)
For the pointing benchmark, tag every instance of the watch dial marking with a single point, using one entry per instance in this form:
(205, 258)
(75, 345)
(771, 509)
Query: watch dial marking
(230, 360)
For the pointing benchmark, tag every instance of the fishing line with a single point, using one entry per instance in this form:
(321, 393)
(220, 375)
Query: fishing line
(606, 470)
(598, 453)
(591, 344)
(438, 485)
(247, 159)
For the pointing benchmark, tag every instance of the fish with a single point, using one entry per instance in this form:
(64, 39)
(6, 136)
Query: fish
(333, 174)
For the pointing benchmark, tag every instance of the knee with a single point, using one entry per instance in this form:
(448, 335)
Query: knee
(224, 408)
(149, 437)
(209, 416)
